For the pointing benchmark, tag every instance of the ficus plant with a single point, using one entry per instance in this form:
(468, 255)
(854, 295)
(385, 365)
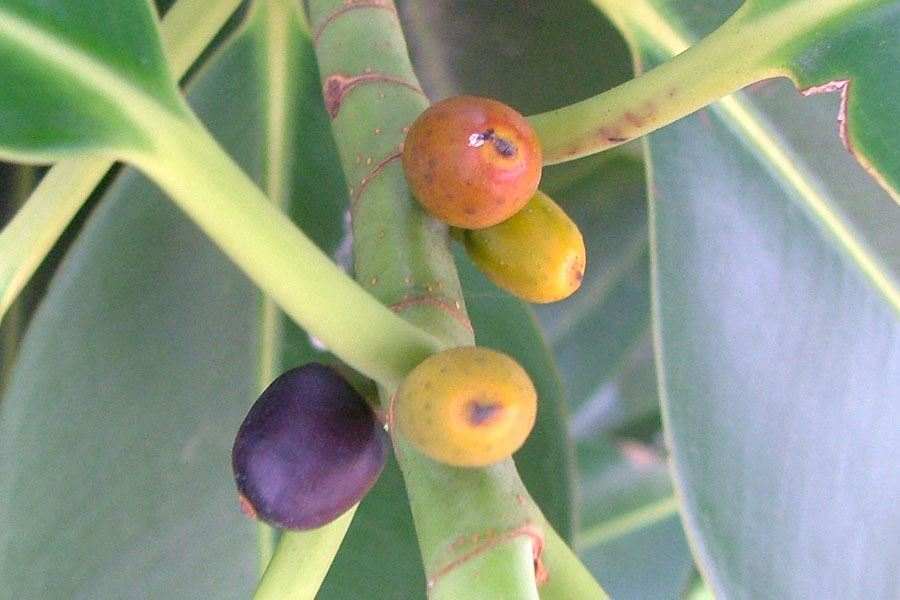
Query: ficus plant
(206, 199)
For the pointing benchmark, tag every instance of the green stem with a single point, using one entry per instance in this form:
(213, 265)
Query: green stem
(737, 54)
(32, 233)
(274, 25)
(266, 539)
(204, 182)
(24, 243)
(632, 521)
(507, 571)
(301, 561)
(189, 26)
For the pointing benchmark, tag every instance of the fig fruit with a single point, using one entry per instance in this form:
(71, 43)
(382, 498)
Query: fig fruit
(466, 407)
(472, 162)
(308, 450)
(537, 254)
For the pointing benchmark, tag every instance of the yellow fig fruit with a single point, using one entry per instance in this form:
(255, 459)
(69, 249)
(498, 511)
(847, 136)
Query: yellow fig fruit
(537, 254)
(466, 407)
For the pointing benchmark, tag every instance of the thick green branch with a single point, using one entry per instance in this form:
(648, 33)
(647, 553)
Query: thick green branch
(737, 54)
(478, 529)
(186, 30)
(301, 560)
(205, 183)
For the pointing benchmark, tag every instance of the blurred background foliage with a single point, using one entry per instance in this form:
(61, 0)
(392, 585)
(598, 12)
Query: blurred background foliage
(138, 302)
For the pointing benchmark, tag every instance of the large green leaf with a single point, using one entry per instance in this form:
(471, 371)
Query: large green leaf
(79, 76)
(777, 327)
(513, 50)
(132, 378)
(601, 338)
(115, 433)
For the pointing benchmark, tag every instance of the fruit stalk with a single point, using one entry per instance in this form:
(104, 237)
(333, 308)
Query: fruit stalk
(743, 49)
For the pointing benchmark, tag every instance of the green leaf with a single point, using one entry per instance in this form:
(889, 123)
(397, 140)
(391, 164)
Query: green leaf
(117, 425)
(76, 81)
(777, 333)
(593, 331)
(601, 338)
(494, 49)
(853, 53)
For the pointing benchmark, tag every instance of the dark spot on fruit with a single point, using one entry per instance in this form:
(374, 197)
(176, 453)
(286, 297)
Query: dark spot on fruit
(457, 133)
(309, 449)
(504, 147)
(481, 411)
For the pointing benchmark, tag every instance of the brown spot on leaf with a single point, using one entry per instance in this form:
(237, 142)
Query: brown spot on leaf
(842, 86)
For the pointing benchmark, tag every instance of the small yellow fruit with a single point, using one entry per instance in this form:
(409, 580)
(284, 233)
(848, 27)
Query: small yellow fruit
(537, 254)
(467, 407)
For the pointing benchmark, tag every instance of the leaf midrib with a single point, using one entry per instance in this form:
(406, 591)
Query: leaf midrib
(143, 110)
(274, 36)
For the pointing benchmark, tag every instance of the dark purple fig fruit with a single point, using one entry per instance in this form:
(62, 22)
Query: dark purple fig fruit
(308, 450)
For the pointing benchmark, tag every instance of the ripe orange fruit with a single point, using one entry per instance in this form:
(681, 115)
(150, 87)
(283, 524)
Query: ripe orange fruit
(472, 162)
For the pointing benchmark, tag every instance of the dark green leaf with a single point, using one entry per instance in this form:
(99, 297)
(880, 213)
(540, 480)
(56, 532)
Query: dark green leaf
(777, 324)
(80, 76)
(117, 425)
(855, 54)
(513, 50)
